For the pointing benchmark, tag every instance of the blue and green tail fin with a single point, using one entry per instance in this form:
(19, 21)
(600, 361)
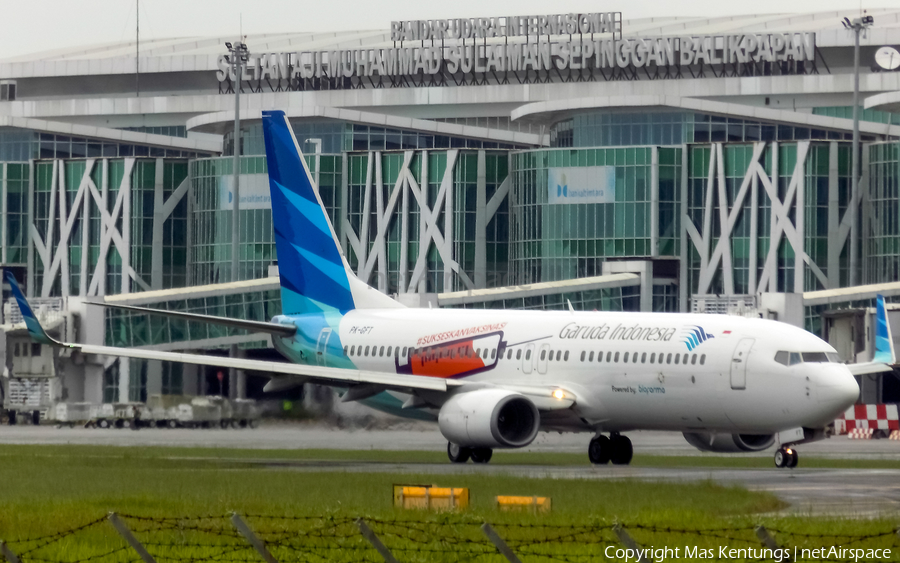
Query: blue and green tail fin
(315, 277)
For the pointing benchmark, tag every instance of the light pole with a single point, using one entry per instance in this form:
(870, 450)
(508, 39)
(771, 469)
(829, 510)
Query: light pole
(858, 25)
(239, 55)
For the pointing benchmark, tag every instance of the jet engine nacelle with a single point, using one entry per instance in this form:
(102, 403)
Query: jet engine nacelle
(489, 418)
(717, 442)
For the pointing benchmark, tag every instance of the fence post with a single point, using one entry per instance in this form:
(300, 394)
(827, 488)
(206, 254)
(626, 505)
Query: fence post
(499, 543)
(7, 552)
(129, 537)
(248, 534)
(769, 541)
(370, 536)
(628, 542)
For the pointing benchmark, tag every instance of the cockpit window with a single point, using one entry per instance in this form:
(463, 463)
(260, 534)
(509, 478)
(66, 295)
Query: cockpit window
(818, 357)
(793, 358)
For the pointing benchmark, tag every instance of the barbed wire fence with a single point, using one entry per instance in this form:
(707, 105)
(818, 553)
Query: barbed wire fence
(129, 538)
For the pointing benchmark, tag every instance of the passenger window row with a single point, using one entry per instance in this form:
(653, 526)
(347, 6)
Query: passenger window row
(555, 355)
(644, 357)
(429, 353)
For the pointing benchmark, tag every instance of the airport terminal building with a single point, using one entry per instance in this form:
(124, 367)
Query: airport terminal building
(663, 164)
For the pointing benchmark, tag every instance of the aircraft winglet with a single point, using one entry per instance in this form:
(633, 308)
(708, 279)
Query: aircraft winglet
(884, 345)
(35, 330)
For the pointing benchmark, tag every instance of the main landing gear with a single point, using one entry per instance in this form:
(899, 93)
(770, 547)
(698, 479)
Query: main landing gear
(460, 454)
(786, 456)
(616, 449)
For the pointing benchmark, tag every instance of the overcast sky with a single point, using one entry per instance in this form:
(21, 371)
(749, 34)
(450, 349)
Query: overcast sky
(30, 26)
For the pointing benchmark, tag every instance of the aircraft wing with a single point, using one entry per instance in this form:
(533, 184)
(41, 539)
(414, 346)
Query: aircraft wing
(285, 375)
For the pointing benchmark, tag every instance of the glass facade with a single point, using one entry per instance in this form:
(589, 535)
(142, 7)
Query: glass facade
(111, 174)
(130, 329)
(565, 241)
(15, 177)
(211, 218)
(611, 129)
(337, 136)
(21, 145)
(883, 239)
(626, 298)
(167, 130)
(846, 112)
(738, 159)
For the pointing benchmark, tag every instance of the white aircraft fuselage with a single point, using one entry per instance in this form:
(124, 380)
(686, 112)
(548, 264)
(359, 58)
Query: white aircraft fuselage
(626, 371)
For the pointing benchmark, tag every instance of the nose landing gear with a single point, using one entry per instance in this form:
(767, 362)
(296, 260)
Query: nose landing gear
(616, 449)
(786, 457)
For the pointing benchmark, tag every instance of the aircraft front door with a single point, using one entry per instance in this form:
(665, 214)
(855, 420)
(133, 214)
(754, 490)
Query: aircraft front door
(322, 347)
(739, 363)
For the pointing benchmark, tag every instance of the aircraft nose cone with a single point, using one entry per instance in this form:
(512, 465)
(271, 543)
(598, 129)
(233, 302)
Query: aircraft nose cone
(840, 390)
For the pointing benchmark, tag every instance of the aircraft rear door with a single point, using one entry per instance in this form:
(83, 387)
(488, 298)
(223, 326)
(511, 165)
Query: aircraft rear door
(739, 363)
(322, 346)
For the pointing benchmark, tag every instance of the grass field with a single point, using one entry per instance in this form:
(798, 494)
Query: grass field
(46, 489)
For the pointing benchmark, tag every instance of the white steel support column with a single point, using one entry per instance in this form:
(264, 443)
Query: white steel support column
(29, 283)
(866, 213)
(774, 239)
(4, 211)
(344, 208)
(85, 241)
(724, 223)
(62, 251)
(448, 226)
(125, 379)
(156, 275)
(379, 249)
(125, 251)
(800, 222)
(423, 227)
(834, 219)
(754, 229)
(190, 229)
(100, 271)
(403, 281)
(480, 273)
(683, 239)
(654, 202)
(363, 253)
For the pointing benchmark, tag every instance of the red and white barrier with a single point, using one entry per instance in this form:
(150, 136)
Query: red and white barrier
(869, 418)
(895, 435)
(860, 434)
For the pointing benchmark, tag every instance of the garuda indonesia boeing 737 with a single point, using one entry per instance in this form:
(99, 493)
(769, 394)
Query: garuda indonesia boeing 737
(494, 379)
